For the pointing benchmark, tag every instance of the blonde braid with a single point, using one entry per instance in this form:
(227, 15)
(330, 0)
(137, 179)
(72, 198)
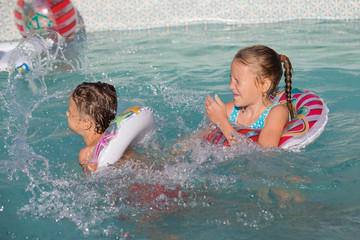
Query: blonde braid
(288, 74)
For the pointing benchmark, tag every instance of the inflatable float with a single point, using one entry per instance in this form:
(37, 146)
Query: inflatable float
(131, 128)
(35, 52)
(57, 15)
(311, 116)
(6, 49)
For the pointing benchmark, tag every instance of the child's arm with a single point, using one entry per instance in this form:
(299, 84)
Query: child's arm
(216, 112)
(84, 156)
(274, 124)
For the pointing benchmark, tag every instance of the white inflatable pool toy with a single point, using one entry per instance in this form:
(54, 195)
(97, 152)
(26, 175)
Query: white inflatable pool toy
(35, 52)
(6, 49)
(133, 127)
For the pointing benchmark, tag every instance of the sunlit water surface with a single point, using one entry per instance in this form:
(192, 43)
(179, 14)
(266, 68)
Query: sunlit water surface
(219, 193)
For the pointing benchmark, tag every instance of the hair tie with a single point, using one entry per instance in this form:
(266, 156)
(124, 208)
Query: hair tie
(282, 58)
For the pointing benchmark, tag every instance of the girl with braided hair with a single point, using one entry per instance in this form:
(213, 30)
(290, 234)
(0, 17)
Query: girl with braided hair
(255, 74)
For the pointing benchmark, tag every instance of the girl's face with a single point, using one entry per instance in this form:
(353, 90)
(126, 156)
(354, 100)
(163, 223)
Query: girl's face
(243, 85)
(74, 118)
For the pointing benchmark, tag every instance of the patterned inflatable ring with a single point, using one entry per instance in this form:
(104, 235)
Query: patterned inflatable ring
(311, 116)
(132, 127)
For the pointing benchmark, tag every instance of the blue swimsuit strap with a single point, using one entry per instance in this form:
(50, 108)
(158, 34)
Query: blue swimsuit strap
(233, 115)
(258, 124)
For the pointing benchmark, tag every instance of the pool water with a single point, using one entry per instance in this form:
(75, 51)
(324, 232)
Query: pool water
(221, 193)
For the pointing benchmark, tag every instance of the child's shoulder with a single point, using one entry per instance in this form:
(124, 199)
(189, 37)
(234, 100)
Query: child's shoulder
(229, 107)
(278, 112)
(279, 108)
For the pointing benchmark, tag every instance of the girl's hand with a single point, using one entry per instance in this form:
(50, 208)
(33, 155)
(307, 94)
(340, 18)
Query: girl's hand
(215, 110)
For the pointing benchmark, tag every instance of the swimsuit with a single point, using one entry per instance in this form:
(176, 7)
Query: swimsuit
(258, 124)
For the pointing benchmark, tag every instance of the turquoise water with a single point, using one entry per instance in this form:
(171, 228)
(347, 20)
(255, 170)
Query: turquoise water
(230, 194)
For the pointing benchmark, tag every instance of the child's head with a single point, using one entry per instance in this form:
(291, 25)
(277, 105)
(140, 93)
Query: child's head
(97, 100)
(265, 63)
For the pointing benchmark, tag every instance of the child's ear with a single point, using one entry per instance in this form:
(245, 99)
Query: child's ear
(266, 85)
(88, 123)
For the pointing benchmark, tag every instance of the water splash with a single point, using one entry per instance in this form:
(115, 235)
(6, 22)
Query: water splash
(234, 186)
(25, 92)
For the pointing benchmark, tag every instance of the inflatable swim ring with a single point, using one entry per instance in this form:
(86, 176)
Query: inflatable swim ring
(311, 115)
(58, 15)
(132, 127)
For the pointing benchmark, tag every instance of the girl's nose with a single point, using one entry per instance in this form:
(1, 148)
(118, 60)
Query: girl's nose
(231, 86)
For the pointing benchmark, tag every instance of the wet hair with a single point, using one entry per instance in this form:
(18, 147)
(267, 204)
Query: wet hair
(98, 100)
(264, 62)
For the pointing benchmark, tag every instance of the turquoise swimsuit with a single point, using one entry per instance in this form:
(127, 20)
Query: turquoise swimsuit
(258, 124)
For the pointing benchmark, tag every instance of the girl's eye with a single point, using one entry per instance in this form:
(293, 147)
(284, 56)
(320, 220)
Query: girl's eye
(240, 82)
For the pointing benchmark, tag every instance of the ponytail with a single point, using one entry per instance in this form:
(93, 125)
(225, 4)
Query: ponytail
(288, 74)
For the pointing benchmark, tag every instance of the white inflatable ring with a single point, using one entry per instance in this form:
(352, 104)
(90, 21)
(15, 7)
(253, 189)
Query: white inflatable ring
(132, 127)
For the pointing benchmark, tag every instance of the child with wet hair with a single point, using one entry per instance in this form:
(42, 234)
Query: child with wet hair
(255, 74)
(92, 107)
